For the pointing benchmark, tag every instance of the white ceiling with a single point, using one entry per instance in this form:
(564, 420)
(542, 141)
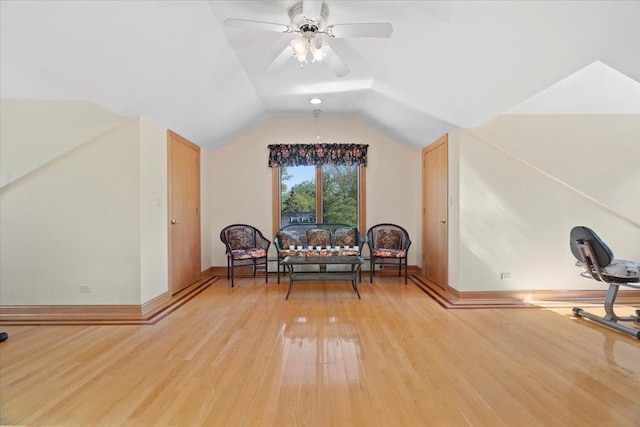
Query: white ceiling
(446, 65)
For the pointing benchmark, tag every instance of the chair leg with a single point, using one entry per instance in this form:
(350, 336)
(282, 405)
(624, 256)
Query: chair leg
(232, 273)
(228, 261)
(266, 270)
(278, 261)
(406, 267)
(372, 267)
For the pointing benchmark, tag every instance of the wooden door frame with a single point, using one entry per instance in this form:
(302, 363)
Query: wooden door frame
(174, 136)
(444, 139)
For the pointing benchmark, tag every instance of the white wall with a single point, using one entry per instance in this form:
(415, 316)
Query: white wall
(453, 213)
(596, 154)
(96, 213)
(207, 234)
(525, 181)
(241, 179)
(91, 213)
(45, 130)
(154, 250)
(75, 221)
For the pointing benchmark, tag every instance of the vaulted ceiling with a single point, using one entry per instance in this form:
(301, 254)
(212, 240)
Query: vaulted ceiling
(446, 65)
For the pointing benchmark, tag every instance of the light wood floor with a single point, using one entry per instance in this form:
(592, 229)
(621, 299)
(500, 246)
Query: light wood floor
(245, 356)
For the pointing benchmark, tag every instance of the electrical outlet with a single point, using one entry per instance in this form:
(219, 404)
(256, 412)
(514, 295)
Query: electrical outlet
(505, 276)
(85, 289)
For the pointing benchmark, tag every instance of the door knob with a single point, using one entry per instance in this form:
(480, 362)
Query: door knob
(173, 221)
(443, 220)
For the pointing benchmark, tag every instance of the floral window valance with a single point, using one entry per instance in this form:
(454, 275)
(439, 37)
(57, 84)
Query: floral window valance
(317, 154)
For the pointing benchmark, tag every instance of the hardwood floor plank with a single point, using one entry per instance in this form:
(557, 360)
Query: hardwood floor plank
(247, 356)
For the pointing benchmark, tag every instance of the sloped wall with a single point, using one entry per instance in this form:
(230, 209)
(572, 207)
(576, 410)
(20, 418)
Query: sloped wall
(523, 182)
(75, 221)
(94, 215)
(36, 132)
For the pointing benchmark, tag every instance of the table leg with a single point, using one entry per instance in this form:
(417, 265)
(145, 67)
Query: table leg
(290, 267)
(355, 269)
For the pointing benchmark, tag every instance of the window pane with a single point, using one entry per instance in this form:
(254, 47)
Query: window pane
(298, 194)
(340, 194)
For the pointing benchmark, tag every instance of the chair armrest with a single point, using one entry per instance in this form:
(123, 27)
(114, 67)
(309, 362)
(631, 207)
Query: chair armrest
(276, 243)
(262, 242)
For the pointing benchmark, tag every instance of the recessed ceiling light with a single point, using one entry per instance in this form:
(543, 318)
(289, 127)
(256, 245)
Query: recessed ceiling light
(315, 101)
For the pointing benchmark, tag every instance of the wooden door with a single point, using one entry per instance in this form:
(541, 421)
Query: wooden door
(184, 212)
(434, 212)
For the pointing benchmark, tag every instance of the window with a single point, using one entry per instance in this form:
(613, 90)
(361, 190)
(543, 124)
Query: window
(339, 194)
(318, 183)
(297, 194)
(335, 201)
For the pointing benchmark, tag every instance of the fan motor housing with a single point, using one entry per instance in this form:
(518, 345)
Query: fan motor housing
(300, 23)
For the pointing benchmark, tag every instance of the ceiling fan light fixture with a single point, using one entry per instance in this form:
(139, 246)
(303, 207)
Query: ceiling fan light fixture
(309, 22)
(317, 47)
(299, 47)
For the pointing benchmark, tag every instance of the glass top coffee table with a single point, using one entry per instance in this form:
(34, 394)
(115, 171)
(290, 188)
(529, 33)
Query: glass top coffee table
(354, 262)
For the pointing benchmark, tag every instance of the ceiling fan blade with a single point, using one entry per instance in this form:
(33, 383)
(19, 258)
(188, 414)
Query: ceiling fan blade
(381, 29)
(280, 60)
(335, 62)
(256, 25)
(311, 9)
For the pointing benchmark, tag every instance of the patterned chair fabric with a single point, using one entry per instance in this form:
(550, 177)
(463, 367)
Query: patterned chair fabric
(628, 271)
(319, 237)
(240, 238)
(388, 238)
(248, 253)
(289, 238)
(388, 244)
(389, 253)
(347, 236)
(245, 245)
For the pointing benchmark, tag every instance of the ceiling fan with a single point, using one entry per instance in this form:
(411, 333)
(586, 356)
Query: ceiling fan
(309, 20)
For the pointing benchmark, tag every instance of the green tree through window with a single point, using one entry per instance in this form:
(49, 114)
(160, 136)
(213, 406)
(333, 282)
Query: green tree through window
(340, 194)
(339, 198)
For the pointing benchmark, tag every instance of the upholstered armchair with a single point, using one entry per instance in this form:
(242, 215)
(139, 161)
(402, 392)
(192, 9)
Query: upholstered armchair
(388, 244)
(245, 245)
